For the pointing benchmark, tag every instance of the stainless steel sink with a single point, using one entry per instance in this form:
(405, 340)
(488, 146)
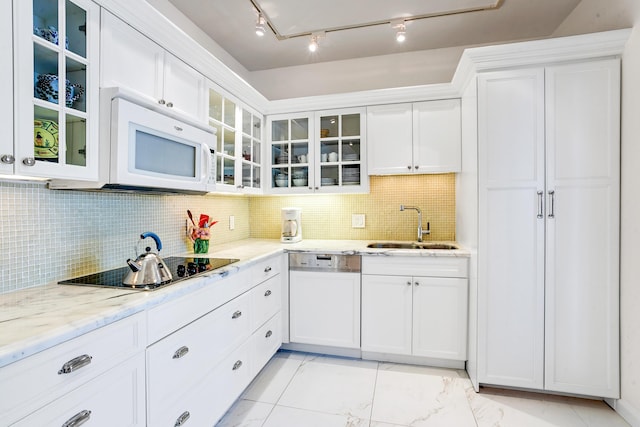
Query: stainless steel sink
(410, 245)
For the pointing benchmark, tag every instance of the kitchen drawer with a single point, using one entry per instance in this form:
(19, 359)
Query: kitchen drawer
(266, 299)
(207, 401)
(266, 341)
(33, 382)
(179, 361)
(432, 266)
(173, 315)
(115, 398)
(266, 269)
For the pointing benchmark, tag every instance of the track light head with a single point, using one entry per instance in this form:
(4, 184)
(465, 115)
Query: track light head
(260, 26)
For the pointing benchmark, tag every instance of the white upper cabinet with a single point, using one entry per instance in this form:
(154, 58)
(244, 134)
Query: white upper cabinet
(239, 147)
(56, 41)
(423, 137)
(7, 157)
(131, 60)
(321, 152)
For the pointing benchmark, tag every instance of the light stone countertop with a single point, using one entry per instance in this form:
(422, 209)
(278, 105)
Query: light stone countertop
(35, 319)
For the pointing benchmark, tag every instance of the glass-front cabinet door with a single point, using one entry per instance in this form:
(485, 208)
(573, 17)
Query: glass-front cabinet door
(341, 151)
(251, 149)
(239, 142)
(291, 153)
(56, 88)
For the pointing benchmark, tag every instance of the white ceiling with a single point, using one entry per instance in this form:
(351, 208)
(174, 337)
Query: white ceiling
(231, 23)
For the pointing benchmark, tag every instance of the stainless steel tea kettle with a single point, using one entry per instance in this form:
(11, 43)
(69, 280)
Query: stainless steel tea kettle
(148, 269)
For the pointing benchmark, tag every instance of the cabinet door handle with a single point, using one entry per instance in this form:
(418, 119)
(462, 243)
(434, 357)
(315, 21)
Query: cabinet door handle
(267, 269)
(8, 159)
(170, 104)
(237, 365)
(417, 283)
(416, 167)
(75, 364)
(78, 419)
(181, 352)
(182, 419)
(268, 334)
(409, 167)
(236, 314)
(266, 294)
(29, 161)
(552, 199)
(161, 101)
(540, 205)
(178, 128)
(409, 283)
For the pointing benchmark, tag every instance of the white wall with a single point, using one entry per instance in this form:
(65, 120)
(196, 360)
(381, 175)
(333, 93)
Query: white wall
(601, 15)
(377, 72)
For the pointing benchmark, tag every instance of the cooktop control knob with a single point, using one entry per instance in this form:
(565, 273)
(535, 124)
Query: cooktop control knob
(192, 268)
(181, 270)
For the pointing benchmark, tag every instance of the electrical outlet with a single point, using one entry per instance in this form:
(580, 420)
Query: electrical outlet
(232, 222)
(357, 220)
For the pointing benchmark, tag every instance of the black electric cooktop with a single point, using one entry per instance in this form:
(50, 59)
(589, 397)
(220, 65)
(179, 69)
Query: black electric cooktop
(181, 268)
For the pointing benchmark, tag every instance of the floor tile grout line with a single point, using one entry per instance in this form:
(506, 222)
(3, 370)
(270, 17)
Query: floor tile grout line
(373, 397)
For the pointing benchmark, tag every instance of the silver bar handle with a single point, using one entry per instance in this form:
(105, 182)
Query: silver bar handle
(552, 199)
(540, 205)
(78, 419)
(181, 352)
(182, 419)
(236, 314)
(75, 364)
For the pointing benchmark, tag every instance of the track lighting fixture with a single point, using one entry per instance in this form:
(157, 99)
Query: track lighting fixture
(313, 44)
(260, 24)
(401, 29)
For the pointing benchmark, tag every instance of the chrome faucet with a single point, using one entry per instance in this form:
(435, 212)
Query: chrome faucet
(421, 232)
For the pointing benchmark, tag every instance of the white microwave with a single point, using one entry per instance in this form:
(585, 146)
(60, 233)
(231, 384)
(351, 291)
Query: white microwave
(143, 148)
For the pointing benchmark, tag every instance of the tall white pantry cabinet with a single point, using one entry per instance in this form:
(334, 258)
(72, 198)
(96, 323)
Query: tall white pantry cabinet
(548, 219)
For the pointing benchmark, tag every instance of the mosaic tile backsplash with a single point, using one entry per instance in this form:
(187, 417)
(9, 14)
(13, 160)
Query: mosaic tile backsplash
(329, 216)
(47, 235)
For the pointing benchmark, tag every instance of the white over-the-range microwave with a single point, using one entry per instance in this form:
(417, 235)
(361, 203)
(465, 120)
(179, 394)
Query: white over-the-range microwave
(143, 148)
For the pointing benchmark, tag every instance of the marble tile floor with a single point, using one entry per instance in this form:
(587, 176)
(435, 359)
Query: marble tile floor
(307, 390)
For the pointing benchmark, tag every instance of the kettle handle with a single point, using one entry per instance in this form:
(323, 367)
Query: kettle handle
(154, 236)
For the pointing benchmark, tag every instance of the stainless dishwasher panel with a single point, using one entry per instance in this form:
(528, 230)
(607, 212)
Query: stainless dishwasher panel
(325, 262)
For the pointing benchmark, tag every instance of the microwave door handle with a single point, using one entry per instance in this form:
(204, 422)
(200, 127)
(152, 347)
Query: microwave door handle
(206, 152)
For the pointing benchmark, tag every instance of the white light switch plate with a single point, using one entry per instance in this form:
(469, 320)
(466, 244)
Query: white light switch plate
(357, 220)
(232, 222)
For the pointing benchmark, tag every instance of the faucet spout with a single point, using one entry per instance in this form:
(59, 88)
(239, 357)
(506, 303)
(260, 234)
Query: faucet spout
(421, 232)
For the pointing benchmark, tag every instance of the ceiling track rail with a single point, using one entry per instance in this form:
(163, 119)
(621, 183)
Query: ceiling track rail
(279, 36)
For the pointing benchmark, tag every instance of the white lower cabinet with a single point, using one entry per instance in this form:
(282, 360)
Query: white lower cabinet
(205, 361)
(415, 306)
(115, 398)
(101, 372)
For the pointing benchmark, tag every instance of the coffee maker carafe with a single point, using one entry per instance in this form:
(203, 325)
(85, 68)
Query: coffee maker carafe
(291, 225)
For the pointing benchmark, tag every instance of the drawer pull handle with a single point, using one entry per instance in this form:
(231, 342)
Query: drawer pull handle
(236, 314)
(182, 419)
(409, 283)
(182, 351)
(237, 365)
(266, 294)
(267, 269)
(268, 334)
(75, 364)
(78, 419)
(417, 283)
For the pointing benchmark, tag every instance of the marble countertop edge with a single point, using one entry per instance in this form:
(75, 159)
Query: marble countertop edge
(35, 319)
